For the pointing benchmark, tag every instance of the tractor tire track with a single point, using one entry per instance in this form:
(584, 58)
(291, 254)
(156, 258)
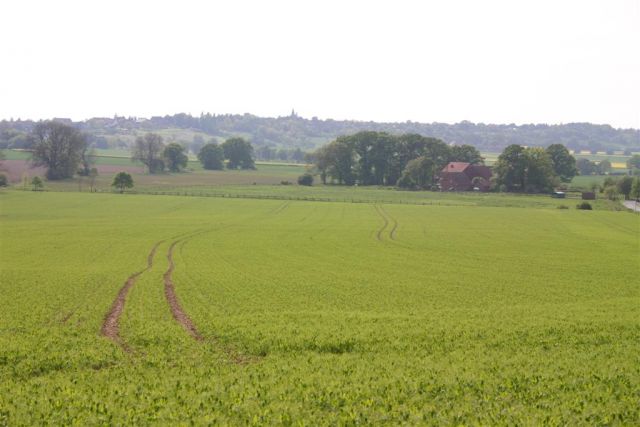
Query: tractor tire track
(174, 304)
(392, 233)
(111, 325)
(380, 232)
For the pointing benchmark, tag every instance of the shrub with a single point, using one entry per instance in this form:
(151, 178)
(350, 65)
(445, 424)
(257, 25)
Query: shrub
(3, 180)
(562, 207)
(305, 179)
(285, 183)
(586, 206)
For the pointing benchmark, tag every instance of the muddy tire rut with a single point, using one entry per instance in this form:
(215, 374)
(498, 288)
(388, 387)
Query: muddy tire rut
(111, 325)
(174, 304)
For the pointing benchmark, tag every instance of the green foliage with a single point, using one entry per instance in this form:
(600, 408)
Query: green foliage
(211, 156)
(174, 157)
(122, 181)
(239, 153)
(148, 150)
(623, 185)
(585, 206)
(634, 162)
(3, 180)
(525, 170)
(466, 153)
(635, 189)
(377, 158)
(564, 164)
(417, 174)
(37, 184)
(59, 148)
(357, 323)
(305, 179)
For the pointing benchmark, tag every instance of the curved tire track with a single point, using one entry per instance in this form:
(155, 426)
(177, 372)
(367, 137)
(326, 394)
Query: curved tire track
(111, 325)
(380, 232)
(170, 293)
(392, 233)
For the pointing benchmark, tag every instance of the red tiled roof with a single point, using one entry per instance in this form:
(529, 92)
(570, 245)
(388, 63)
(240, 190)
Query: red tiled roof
(456, 167)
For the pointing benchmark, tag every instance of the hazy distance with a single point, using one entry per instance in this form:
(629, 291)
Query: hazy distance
(446, 61)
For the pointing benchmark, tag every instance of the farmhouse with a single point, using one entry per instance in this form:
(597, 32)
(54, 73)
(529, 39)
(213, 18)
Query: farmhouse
(461, 176)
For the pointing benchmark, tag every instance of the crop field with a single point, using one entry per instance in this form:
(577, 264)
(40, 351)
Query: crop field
(144, 309)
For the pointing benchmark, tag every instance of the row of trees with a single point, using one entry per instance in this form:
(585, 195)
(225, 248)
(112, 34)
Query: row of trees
(156, 156)
(379, 158)
(414, 161)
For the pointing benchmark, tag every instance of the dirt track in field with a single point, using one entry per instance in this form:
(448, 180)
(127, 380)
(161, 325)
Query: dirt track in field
(170, 293)
(388, 219)
(111, 325)
(384, 226)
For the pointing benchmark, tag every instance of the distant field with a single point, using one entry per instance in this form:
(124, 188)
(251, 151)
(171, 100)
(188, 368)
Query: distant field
(331, 313)
(265, 182)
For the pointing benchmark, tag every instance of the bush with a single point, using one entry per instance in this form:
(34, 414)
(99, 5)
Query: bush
(586, 206)
(562, 207)
(305, 179)
(284, 183)
(3, 180)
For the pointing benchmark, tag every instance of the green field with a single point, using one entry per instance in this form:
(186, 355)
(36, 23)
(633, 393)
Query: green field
(316, 313)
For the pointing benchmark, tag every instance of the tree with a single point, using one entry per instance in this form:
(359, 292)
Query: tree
(3, 180)
(466, 153)
(93, 174)
(305, 179)
(635, 189)
(59, 148)
(122, 181)
(239, 153)
(148, 149)
(417, 174)
(212, 156)
(539, 174)
(634, 163)
(585, 166)
(524, 169)
(604, 167)
(564, 164)
(37, 183)
(87, 160)
(624, 185)
(510, 168)
(174, 157)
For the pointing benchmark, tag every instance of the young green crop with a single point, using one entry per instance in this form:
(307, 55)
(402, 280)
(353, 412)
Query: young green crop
(317, 313)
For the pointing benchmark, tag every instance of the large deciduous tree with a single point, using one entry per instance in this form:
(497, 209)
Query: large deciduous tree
(148, 150)
(239, 153)
(524, 169)
(564, 164)
(59, 148)
(418, 174)
(122, 181)
(466, 153)
(211, 156)
(174, 157)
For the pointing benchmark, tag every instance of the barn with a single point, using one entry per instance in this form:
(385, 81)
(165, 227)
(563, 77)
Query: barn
(462, 176)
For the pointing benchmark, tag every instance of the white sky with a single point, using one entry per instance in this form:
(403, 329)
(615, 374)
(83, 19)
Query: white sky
(485, 61)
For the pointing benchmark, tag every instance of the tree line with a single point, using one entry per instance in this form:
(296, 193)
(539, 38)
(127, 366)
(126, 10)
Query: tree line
(156, 156)
(380, 158)
(293, 131)
(415, 161)
(64, 151)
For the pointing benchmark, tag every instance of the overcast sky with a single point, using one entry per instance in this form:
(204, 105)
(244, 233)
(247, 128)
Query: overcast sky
(484, 61)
